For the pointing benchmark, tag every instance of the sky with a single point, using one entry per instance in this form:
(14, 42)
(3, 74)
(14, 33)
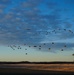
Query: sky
(36, 30)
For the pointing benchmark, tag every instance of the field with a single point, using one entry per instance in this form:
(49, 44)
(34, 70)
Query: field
(51, 69)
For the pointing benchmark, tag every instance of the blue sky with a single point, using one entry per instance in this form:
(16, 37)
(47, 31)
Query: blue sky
(35, 22)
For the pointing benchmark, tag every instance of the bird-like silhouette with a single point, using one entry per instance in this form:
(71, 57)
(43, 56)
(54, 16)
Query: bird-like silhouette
(25, 49)
(29, 46)
(26, 53)
(44, 44)
(65, 46)
(52, 42)
(39, 48)
(35, 46)
(73, 54)
(64, 29)
(49, 48)
(61, 49)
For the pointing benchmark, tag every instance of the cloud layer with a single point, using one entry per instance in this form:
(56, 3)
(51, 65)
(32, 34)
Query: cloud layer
(35, 21)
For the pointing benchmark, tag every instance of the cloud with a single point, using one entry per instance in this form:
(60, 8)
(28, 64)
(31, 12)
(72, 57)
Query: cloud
(51, 5)
(5, 1)
(26, 22)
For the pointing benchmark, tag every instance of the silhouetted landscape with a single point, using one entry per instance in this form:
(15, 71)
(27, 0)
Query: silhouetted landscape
(28, 68)
(28, 62)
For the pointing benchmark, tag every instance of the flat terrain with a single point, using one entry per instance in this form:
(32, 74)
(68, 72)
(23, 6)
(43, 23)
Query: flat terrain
(52, 69)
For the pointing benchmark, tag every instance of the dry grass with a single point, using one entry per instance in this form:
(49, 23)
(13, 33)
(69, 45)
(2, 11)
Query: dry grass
(48, 67)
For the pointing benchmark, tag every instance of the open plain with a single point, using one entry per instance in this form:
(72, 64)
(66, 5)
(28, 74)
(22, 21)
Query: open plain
(25, 69)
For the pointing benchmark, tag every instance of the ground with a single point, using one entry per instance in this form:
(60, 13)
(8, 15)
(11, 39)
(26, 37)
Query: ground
(52, 69)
